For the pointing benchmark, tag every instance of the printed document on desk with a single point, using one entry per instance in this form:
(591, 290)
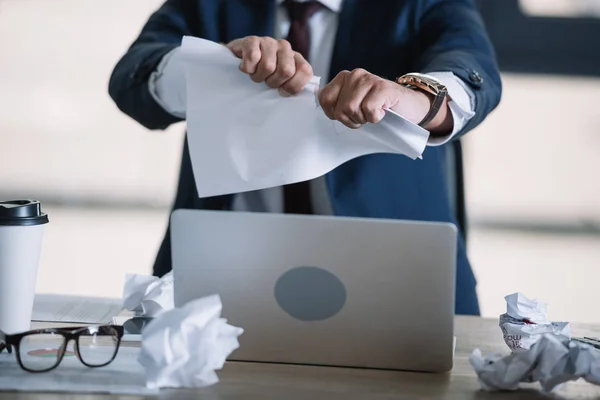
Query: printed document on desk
(125, 375)
(245, 136)
(75, 309)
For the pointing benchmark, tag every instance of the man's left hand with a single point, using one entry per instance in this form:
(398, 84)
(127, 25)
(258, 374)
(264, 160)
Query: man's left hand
(359, 97)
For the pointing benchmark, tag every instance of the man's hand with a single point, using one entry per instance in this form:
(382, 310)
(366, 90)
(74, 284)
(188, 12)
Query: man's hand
(273, 62)
(357, 97)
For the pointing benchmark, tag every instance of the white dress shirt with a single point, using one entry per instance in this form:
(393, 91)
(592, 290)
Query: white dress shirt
(167, 86)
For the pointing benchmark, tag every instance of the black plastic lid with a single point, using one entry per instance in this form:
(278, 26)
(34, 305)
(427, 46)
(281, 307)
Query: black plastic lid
(22, 213)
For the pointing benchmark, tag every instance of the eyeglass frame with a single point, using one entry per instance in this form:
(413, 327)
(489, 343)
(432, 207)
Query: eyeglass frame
(68, 333)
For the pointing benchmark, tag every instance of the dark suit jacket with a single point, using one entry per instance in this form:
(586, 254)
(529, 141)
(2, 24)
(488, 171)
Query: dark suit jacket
(385, 37)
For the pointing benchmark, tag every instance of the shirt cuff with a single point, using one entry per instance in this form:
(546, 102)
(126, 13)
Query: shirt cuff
(167, 84)
(461, 104)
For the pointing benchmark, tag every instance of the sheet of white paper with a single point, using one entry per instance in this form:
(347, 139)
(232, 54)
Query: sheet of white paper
(244, 136)
(124, 375)
(76, 309)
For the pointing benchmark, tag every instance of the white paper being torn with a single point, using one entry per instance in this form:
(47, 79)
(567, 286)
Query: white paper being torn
(525, 321)
(245, 136)
(148, 296)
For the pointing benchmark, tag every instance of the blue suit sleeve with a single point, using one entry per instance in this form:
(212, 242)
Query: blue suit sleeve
(453, 37)
(128, 85)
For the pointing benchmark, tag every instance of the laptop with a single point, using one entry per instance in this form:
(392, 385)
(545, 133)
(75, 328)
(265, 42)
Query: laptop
(323, 290)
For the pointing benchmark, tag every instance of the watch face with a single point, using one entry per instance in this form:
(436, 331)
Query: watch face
(423, 82)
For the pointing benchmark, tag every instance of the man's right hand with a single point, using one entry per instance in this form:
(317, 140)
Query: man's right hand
(273, 62)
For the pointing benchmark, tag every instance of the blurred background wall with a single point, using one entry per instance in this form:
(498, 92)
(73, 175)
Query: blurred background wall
(533, 193)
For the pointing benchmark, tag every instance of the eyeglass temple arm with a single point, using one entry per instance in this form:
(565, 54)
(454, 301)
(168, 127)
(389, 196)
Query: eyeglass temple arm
(3, 344)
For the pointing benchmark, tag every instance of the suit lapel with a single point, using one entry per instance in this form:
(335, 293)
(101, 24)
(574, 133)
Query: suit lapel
(248, 17)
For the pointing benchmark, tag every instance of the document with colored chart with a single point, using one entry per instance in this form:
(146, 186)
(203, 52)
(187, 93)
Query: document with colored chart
(124, 376)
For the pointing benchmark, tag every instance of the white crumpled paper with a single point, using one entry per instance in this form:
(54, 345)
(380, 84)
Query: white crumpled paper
(551, 361)
(183, 347)
(541, 351)
(525, 322)
(148, 296)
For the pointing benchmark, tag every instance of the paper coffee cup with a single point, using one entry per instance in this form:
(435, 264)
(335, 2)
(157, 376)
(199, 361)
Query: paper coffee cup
(21, 231)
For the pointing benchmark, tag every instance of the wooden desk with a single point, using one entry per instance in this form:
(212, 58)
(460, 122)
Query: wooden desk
(251, 381)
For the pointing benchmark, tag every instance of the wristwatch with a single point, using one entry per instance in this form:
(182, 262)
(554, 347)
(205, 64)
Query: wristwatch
(427, 84)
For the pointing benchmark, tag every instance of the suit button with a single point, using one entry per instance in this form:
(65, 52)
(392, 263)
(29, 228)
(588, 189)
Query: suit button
(476, 78)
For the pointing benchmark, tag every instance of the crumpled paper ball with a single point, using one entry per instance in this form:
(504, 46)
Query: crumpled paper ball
(148, 296)
(551, 361)
(525, 322)
(183, 347)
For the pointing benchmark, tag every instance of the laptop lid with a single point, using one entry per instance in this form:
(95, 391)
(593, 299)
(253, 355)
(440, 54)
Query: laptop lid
(323, 290)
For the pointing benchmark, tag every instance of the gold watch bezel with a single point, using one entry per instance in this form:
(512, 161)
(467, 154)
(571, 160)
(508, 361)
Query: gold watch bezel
(424, 82)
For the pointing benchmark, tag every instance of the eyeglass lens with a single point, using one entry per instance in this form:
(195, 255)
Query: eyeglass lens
(40, 351)
(98, 345)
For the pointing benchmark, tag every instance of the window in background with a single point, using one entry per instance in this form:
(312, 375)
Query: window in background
(105, 181)
(532, 190)
(561, 8)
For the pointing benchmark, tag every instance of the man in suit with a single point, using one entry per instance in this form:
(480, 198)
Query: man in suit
(449, 83)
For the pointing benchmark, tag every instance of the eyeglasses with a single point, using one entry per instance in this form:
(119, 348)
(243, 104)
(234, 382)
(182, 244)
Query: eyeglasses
(43, 350)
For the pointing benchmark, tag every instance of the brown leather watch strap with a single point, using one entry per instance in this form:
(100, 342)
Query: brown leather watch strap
(436, 105)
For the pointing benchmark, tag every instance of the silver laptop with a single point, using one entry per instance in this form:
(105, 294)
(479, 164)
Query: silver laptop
(320, 290)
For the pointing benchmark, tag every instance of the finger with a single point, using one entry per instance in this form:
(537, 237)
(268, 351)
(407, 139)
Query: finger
(249, 50)
(344, 119)
(328, 96)
(236, 47)
(356, 87)
(302, 76)
(286, 66)
(373, 104)
(268, 60)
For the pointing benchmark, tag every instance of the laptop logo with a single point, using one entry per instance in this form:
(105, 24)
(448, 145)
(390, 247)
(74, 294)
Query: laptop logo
(310, 293)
